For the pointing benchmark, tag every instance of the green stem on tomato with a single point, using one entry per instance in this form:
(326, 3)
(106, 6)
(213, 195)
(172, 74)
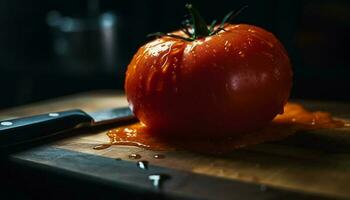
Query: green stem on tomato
(197, 27)
(200, 28)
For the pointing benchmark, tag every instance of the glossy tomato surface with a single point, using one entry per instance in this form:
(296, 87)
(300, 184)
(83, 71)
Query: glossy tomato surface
(230, 83)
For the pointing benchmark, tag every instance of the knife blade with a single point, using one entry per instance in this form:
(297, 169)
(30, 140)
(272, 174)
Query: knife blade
(21, 130)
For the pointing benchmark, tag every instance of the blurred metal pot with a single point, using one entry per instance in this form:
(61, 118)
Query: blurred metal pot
(85, 46)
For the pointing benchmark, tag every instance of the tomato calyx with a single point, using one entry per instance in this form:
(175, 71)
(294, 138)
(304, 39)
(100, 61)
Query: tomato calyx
(196, 27)
(199, 26)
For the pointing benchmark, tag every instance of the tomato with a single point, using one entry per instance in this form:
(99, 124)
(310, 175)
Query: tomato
(228, 83)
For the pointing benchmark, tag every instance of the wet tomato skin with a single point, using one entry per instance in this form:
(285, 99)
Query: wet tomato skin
(226, 84)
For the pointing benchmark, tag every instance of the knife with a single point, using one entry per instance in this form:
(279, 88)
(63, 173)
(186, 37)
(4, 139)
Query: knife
(21, 130)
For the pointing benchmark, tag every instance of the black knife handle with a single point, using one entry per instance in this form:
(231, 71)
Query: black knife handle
(20, 130)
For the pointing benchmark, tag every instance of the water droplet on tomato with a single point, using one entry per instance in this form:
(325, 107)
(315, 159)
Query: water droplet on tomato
(227, 46)
(251, 30)
(241, 54)
(263, 42)
(250, 40)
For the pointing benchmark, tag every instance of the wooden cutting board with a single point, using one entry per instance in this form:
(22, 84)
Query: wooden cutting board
(313, 164)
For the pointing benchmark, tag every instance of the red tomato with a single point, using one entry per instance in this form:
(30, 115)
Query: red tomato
(232, 82)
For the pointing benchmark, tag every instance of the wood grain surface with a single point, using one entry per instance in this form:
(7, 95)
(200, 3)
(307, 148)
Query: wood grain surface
(315, 162)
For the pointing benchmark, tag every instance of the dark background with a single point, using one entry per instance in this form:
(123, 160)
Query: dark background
(40, 61)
